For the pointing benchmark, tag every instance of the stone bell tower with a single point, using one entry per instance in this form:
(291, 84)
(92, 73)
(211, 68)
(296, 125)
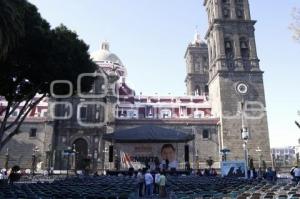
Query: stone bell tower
(235, 80)
(196, 57)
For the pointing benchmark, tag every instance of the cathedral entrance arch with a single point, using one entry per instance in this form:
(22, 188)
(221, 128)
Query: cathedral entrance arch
(81, 160)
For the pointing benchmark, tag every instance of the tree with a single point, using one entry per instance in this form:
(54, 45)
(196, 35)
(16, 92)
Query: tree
(295, 26)
(11, 26)
(42, 56)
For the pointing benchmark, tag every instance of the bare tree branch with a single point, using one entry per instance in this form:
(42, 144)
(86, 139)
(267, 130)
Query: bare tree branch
(15, 131)
(14, 107)
(2, 110)
(3, 123)
(24, 108)
(27, 98)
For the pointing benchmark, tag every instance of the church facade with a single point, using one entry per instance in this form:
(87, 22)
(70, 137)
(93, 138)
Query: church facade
(224, 107)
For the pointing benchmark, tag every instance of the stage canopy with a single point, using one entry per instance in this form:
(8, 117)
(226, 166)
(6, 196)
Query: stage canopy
(148, 134)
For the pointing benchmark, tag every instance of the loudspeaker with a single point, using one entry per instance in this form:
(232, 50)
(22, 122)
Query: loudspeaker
(111, 153)
(186, 153)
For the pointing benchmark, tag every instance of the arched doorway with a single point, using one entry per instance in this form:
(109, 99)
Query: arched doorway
(81, 147)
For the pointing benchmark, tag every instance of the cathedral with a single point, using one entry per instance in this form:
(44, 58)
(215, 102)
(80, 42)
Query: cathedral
(221, 118)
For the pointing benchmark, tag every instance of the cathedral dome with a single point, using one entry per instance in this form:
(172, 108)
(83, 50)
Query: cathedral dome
(105, 55)
(108, 61)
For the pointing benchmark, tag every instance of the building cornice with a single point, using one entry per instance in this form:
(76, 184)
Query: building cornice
(187, 122)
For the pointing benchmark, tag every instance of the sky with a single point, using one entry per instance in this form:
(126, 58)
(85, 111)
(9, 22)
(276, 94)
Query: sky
(151, 36)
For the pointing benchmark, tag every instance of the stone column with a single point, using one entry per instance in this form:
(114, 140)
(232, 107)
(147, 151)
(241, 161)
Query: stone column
(213, 49)
(253, 55)
(209, 15)
(237, 53)
(247, 10)
(219, 38)
(232, 9)
(220, 48)
(201, 69)
(252, 46)
(216, 41)
(217, 6)
(192, 64)
(188, 63)
(237, 48)
(209, 52)
(190, 87)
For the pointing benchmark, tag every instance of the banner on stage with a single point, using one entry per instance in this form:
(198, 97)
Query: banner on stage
(139, 156)
(236, 168)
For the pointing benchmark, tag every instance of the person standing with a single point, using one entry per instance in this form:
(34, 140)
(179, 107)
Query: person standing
(148, 182)
(141, 180)
(162, 185)
(157, 182)
(292, 172)
(259, 174)
(297, 174)
(270, 175)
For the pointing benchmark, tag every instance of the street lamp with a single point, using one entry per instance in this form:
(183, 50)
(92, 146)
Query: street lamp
(224, 152)
(49, 157)
(245, 137)
(258, 150)
(35, 149)
(105, 152)
(197, 161)
(75, 156)
(242, 89)
(68, 151)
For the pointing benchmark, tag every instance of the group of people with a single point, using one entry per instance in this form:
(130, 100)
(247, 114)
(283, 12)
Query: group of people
(268, 174)
(205, 172)
(12, 175)
(152, 183)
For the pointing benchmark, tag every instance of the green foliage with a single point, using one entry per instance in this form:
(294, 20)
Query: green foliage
(41, 56)
(70, 58)
(19, 72)
(11, 25)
